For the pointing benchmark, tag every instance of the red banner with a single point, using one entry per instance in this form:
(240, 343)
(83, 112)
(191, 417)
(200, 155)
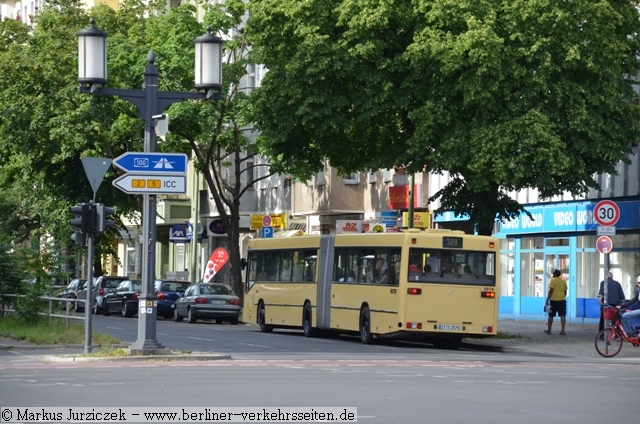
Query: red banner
(218, 258)
(399, 197)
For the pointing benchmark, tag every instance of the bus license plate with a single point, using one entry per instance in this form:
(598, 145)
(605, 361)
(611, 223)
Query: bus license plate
(449, 327)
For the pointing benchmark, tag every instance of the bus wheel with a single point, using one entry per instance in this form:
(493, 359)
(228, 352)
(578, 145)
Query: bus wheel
(365, 326)
(262, 320)
(307, 326)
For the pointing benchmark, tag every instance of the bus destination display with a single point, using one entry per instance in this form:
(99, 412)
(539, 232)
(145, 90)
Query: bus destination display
(452, 242)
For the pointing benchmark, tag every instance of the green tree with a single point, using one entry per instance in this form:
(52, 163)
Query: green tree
(504, 95)
(10, 273)
(44, 130)
(219, 133)
(49, 126)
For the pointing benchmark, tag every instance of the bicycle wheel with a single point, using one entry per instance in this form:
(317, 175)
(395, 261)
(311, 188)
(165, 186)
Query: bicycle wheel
(608, 342)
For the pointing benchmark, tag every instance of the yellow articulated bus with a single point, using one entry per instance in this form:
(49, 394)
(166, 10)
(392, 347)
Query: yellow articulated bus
(434, 285)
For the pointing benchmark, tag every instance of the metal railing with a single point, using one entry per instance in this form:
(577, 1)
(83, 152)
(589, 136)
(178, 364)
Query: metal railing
(7, 308)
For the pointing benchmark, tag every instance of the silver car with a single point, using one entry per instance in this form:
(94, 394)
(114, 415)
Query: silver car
(213, 301)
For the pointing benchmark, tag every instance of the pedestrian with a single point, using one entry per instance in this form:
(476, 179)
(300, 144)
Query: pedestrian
(557, 299)
(629, 311)
(615, 296)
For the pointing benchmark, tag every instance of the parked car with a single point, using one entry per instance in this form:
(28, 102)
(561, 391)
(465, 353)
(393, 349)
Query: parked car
(101, 286)
(123, 299)
(71, 292)
(216, 301)
(168, 292)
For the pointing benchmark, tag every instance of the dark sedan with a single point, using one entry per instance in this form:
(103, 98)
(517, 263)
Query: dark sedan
(168, 292)
(71, 292)
(123, 299)
(214, 301)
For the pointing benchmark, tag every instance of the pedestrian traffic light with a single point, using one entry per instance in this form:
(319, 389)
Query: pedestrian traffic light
(84, 217)
(102, 222)
(78, 238)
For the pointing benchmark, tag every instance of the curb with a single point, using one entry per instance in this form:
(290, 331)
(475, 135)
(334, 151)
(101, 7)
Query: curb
(149, 358)
(5, 347)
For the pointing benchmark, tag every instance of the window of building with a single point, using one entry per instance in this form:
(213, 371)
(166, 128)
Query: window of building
(132, 262)
(507, 267)
(532, 243)
(386, 176)
(557, 242)
(353, 178)
(531, 274)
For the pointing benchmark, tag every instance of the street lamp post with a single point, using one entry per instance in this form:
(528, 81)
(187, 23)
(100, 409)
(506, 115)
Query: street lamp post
(92, 76)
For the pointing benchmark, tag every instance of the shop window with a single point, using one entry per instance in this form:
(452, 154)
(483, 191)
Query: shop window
(588, 274)
(531, 275)
(507, 244)
(507, 280)
(532, 243)
(621, 241)
(557, 242)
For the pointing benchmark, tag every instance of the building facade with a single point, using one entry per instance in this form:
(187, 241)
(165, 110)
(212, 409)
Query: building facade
(562, 233)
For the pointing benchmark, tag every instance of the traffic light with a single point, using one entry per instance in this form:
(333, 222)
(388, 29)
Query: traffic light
(78, 238)
(84, 217)
(102, 222)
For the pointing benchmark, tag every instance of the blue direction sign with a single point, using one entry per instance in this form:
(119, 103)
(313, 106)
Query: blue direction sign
(152, 163)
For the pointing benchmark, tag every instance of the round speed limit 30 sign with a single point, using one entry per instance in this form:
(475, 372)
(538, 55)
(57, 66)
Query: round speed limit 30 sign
(606, 213)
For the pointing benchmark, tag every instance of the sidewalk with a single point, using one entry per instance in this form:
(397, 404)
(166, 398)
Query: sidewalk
(579, 340)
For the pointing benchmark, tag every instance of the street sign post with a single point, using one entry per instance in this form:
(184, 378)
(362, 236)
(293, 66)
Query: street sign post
(95, 168)
(151, 184)
(604, 245)
(606, 231)
(266, 221)
(606, 213)
(152, 163)
(267, 232)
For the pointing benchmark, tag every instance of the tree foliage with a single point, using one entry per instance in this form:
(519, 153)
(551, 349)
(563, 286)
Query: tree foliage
(48, 126)
(504, 95)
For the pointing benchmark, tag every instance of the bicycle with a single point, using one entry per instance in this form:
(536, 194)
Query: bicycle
(609, 341)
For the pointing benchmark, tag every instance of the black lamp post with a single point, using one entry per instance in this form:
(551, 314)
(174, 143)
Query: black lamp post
(92, 76)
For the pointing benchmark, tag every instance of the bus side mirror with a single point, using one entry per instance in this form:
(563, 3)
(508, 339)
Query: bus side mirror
(243, 263)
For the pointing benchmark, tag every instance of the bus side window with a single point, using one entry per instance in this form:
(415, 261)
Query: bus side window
(394, 275)
(298, 269)
(310, 268)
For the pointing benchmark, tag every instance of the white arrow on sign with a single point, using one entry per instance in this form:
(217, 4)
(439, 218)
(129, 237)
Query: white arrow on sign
(151, 184)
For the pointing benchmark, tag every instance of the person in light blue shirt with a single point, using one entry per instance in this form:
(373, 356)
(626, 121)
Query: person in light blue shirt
(633, 308)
